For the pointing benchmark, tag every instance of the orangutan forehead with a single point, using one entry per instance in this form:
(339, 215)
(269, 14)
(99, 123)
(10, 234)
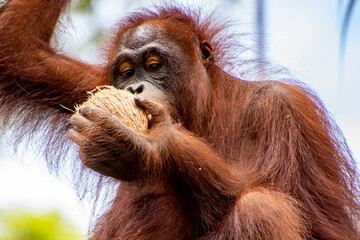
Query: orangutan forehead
(141, 35)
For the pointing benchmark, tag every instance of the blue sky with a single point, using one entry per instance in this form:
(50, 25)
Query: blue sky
(302, 36)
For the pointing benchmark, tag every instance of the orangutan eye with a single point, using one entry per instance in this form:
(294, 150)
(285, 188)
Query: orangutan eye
(153, 63)
(154, 66)
(126, 70)
(128, 73)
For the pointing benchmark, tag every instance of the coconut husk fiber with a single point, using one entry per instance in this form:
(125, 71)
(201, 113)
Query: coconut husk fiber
(119, 103)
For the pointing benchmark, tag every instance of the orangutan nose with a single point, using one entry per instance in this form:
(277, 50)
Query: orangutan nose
(135, 88)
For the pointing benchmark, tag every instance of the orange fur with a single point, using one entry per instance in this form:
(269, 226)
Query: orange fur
(251, 160)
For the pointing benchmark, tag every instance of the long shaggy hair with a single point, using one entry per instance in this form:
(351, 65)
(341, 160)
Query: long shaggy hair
(277, 133)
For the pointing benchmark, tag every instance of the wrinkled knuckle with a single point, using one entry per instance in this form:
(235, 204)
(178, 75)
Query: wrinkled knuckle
(74, 119)
(84, 111)
(141, 101)
(158, 108)
(72, 135)
(155, 109)
(106, 116)
(87, 110)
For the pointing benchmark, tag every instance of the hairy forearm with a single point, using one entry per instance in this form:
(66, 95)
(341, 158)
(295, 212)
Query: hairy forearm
(35, 18)
(28, 63)
(201, 166)
(199, 177)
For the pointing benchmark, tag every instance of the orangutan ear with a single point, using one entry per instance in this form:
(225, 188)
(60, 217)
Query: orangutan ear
(206, 53)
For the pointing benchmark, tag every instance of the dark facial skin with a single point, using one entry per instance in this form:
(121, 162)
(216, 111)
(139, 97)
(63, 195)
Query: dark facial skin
(148, 65)
(153, 64)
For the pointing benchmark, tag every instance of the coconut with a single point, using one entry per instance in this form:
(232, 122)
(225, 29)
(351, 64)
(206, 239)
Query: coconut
(119, 103)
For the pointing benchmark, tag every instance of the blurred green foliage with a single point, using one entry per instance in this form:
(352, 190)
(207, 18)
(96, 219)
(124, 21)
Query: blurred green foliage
(23, 225)
(83, 6)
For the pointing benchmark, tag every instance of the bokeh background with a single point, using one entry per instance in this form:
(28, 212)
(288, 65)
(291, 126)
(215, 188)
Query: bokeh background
(303, 36)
